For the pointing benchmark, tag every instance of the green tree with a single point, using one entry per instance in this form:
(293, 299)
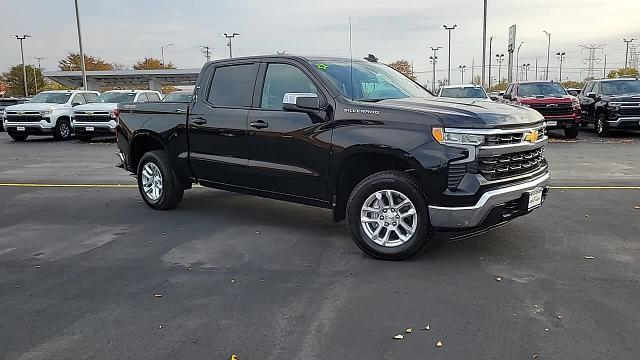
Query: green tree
(14, 80)
(404, 67)
(72, 63)
(501, 86)
(152, 64)
(622, 72)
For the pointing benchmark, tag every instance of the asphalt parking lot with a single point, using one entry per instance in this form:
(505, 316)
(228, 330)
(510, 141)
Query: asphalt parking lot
(89, 272)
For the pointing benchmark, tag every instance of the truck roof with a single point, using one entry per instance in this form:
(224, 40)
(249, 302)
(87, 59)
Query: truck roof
(293, 57)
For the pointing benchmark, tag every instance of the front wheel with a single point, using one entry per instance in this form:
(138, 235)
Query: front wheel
(602, 128)
(62, 131)
(571, 133)
(388, 217)
(159, 186)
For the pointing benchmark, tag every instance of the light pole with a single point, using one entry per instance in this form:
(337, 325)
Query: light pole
(525, 69)
(500, 59)
(164, 47)
(24, 69)
(490, 44)
(546, 77)
(229, 44)
(82, 65)
(518, 59)
(626, 54)
(434, 59)
(561, 58)
(462, 69)
(484, 42)
(39, 59)
(449, 28)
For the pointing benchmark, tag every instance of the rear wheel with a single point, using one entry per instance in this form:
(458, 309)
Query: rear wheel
(571, 133)
(62, 131)
(17, 137)
(602, 128)
(159, 186)
(388, 217)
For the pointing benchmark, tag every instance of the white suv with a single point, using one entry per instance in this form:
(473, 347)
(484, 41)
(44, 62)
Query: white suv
(99, 117)
(48, 113)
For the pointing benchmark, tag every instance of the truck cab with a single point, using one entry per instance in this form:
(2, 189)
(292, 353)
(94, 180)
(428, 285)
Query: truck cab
(47, 114)
(99, 117)
(560, 110)
(611, 104)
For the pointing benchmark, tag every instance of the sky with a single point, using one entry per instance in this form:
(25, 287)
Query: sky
(124, 31)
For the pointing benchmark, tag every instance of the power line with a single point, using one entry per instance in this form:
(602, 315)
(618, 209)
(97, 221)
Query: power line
(592, 60)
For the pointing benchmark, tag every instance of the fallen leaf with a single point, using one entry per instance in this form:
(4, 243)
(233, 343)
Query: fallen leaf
(164, 233)
(233, 357)
(157, 295)
(534, 356)
(637, 207)
(233, 281)
(498, 279)
(589, 257)
(586, 216)
(399, 337)
(409, 331)
(546, 329)
(439, 344)
(37, 266)
(426, 327)
(560, 317)
(161, 326)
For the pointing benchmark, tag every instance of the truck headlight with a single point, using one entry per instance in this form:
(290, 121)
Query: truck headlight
(455, 138)
(614, 106)
(46, 112)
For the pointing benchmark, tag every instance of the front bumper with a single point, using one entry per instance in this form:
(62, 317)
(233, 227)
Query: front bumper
(98, 127)
(625, 122)
(493, 207)
(30, 128)
(562, 122)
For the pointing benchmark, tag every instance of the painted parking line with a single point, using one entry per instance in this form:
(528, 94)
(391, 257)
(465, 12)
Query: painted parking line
(132, 186)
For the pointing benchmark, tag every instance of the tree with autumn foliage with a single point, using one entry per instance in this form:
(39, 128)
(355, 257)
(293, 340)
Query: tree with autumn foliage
(152, 64)
(622, 72)
(14, 80)
(72, 63)
(403, 66)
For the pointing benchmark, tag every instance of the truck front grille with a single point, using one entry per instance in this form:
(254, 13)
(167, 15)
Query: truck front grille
(511, 138)
(509, 165)
(23, 118)
(92, 118)
(456, 173)
(629, 111)
(554, 109)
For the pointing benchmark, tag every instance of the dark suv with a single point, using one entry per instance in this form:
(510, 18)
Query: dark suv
(611, 104)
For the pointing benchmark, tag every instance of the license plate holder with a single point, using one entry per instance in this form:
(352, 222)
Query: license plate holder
(535, 198)
(21, 128)
(90, 128)
(552, 123)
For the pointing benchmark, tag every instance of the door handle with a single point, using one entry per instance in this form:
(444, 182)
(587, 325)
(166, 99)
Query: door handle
(181, 110)
(199, 121)
(260, 124)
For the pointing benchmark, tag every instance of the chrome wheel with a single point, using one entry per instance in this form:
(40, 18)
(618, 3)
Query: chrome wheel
(599, 125)
(152, 181)
(65, 132)
(388, 218)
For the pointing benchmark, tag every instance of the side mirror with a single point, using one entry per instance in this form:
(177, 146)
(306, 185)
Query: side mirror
(591, 95)
(74, 104)
(507, 97)
(301, 102)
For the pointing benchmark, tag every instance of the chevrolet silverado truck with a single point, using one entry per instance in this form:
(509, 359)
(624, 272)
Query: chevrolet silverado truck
(358, 138)
(611, 104)
(560, 110)
(48, 113)
(99, 117)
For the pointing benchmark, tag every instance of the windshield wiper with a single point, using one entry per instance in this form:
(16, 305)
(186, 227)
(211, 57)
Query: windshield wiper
(370, 100)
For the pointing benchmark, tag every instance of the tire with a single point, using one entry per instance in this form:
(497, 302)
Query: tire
(171, 190)
(84, 138)
(601, 126)
(62, 131)
(17, 137)
(399, 185)
(572, 132)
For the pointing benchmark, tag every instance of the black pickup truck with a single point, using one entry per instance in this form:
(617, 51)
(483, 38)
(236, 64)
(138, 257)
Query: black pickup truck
(611, 104)
(356, 137)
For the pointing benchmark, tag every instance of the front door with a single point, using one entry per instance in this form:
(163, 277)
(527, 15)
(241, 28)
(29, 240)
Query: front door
(290, 151)
(218, 124)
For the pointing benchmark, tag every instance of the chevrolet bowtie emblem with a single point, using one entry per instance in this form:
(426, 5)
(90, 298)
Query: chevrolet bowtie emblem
(20, 112)
(531, 136)
(89, 113)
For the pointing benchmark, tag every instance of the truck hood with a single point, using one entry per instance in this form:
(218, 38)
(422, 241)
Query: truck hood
(561, 99)
(467, 113)
(634, 98)
(36, 107)
(96, 107)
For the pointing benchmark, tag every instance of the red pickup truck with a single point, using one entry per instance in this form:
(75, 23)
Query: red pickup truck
(560, 110)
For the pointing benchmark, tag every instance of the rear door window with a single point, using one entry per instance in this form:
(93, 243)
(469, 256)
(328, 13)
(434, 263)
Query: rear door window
(91, 97)
(142, 98)
(588, 88)
(153, 96)
(233, 86)
(78, 99)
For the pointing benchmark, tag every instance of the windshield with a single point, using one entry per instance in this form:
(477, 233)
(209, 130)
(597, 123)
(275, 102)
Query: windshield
(541, 89)
(116, 97)
(620, 87)
(371, 81)
(464, 92)
(51, 98)
(178, 97)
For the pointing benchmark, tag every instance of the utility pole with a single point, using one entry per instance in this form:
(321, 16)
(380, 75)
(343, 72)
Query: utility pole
(484, 42)
(24, 68)
(449, 28)
(473, 72)
(434, 59)
(500, 59)
(82, 65)
(604, 70)
(35, 78)
(518, 59)
(561, 58)
(490, 44)
(626, 54)
(206, 51)
(546, 77)
(592, 60)
(462, 69)
(164, 47)
(536, 68)
(229, 43)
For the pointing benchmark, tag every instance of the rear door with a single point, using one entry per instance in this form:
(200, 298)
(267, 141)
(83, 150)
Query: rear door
(587, 104)
(218, 123)
(290, 151)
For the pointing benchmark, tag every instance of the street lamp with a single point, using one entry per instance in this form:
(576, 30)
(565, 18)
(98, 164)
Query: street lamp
(24, 69)
(164, 47)
(462, 69)
(229, 44)
(500, 59)
(434, 59)
(449, 28)
(546, 77)
(484, 43)
(525, 69)
(518, 58)
(82, 65)
(490, 44)
(626, 54)
(561, 58)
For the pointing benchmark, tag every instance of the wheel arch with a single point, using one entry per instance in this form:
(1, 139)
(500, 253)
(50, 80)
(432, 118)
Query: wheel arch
(141, 143)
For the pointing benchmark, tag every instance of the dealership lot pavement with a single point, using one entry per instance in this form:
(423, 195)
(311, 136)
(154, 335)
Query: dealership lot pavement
(92, 273)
